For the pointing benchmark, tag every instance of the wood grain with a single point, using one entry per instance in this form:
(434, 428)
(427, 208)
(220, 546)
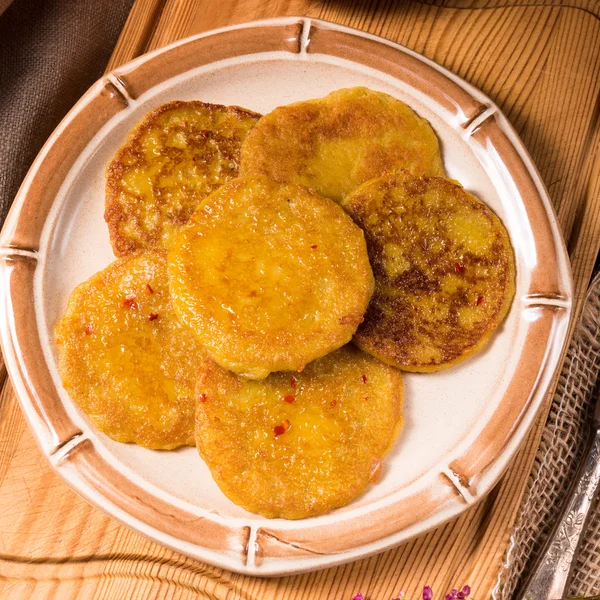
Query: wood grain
(540, 61)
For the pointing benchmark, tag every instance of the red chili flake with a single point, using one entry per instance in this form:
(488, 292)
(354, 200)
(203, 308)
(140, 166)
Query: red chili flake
(281, 429)
(153, 316)
(129, 303)
(202, 397)
(366, 397)
(88, 329)
(314, 246)
(364, 378)
(333, 402)
(293, 382)
(480, 300)
(459, 268)
(149, 289)
(289, 399)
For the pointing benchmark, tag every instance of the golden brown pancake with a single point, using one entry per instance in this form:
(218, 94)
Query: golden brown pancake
(269, 276)
(335, 143)
(175, 157)
(444, 271)
(125, 359)
(298, 445)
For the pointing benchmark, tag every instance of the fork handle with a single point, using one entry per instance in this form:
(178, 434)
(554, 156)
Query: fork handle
(553, 571)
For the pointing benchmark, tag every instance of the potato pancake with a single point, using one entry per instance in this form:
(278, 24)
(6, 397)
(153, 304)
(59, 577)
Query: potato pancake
(444, 271)
(298, 445)
(269, 276)
(125, 359)
(334, 144)
(172, 160)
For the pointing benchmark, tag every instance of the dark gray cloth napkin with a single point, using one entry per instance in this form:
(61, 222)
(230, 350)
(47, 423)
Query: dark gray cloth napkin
(50, 53)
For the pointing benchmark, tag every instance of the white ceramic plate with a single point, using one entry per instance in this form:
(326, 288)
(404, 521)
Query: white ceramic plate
(462, 425)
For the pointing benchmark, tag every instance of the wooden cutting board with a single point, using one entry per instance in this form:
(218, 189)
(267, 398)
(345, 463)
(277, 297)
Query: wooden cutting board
(540, 62)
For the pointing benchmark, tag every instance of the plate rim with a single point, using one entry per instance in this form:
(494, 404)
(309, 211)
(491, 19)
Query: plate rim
(262, 550)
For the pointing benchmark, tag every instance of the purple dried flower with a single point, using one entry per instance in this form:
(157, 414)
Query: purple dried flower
(427, 593)
(466, 590)
(358, 596)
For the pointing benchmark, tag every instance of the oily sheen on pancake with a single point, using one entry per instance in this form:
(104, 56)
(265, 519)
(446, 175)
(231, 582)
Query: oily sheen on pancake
(334, 144)
(269, 276)
(298, 445)
(125, 359)
(444, 271)
(175, 157)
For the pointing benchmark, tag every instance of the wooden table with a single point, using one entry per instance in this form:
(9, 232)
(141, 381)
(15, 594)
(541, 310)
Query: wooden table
(540, 61)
